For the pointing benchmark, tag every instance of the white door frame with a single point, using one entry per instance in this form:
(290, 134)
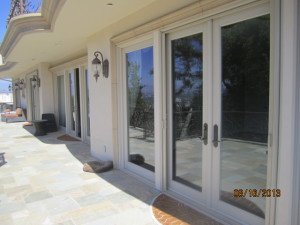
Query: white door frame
(56, 97)
(217, 25)
(172, 185)
(83, 102)
(64, 70)
(143, 173)
(70, 115)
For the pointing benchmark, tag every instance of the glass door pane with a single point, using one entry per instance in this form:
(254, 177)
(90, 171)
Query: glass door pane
(87, 103)
(61, 101)
(77, 104)
(187, 110)
(140, 111)
(245, 112)
(72, 100)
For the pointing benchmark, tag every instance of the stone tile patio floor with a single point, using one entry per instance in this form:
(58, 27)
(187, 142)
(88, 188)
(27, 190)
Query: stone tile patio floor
(43, 183)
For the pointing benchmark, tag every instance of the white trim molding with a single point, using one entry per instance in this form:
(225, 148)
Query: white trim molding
(73, 63)
(194, 12)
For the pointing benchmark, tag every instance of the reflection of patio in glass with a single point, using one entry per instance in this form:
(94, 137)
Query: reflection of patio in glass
(243, 164)
(140, 97)
(141, 148)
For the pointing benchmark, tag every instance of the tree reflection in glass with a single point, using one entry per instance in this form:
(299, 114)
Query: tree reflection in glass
(187, 72)
(140, 99)
(245, 111)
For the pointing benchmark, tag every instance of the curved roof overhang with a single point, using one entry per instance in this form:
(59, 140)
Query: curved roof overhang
(22, 25)
(26, 23)
(59, 32)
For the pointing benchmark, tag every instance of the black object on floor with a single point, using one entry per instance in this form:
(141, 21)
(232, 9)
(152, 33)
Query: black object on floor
(2, 159)
(40, 128)
(50, 123)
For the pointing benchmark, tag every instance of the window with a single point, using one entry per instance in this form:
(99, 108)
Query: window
(140, 107)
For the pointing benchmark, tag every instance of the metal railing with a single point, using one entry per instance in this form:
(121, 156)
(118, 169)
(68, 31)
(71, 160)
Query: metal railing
(19, 7)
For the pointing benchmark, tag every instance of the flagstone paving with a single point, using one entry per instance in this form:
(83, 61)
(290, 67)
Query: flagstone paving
(43, 183)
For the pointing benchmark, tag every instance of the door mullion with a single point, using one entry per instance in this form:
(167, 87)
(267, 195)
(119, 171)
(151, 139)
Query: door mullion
(207, 110)
(216, 109)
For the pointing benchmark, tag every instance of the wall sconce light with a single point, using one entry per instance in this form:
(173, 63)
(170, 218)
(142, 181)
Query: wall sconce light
(21, 84)
(16, 86)
(98, 67)
(36, 81)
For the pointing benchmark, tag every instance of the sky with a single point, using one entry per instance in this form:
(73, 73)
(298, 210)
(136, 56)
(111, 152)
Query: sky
(144, 58)
(4, 11)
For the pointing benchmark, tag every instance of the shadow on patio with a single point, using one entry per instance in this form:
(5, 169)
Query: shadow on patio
(43, 183)
(81, 151)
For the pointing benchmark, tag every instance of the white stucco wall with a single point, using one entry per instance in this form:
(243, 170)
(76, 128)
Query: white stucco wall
(46, 89)
(100, 102)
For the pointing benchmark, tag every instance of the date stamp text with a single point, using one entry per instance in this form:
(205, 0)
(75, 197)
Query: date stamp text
(265, 193)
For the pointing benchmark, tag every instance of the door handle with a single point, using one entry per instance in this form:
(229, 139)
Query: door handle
(204, 134)
(216, 136)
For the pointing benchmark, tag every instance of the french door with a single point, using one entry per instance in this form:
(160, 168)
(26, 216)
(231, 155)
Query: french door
(218, 113)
